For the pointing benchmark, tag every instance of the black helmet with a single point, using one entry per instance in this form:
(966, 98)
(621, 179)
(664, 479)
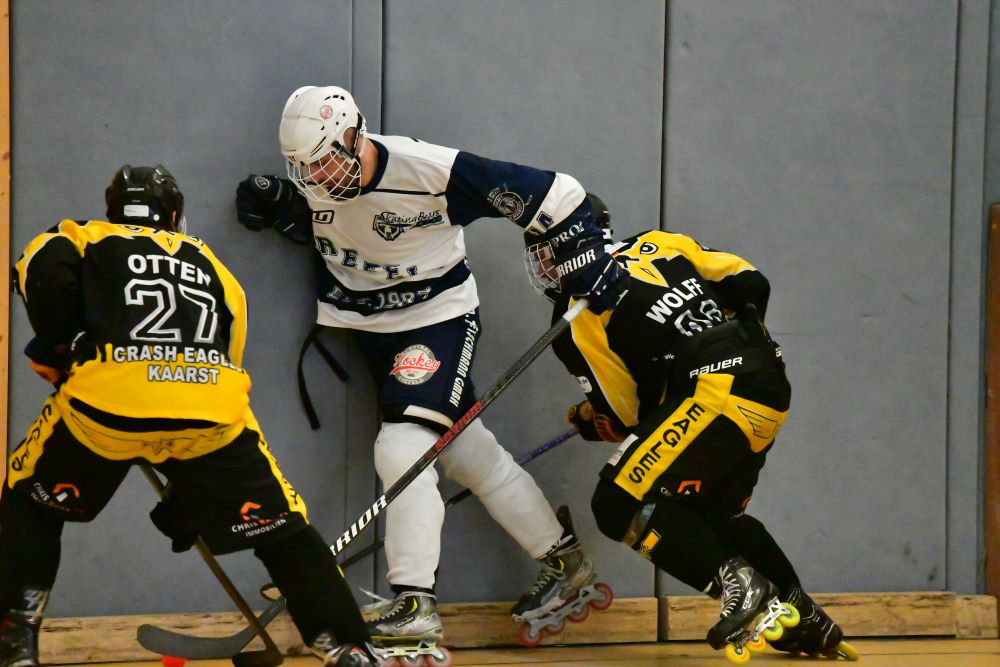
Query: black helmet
(145, 196)
(602, 216)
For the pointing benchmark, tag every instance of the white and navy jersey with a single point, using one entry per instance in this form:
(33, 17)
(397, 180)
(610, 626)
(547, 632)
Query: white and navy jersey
(394, 258)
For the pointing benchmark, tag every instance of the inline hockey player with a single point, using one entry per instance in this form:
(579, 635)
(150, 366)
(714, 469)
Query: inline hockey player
(141, 329)
(386, 216)
(686, 377)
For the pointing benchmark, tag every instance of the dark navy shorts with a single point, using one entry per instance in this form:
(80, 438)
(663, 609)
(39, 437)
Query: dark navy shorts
(424, 375)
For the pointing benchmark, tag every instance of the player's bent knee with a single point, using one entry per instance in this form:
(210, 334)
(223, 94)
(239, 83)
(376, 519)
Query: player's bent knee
(398, 446)
(477, 461)
(613, 509)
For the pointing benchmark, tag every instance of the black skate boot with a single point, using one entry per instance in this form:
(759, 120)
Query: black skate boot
(326, 649)
(564, 589)
(407, 628)
(816, 634)
(19, 629)
(751, 613)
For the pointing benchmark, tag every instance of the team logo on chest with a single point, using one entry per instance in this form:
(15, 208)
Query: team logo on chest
(391, 226)
(414, 365)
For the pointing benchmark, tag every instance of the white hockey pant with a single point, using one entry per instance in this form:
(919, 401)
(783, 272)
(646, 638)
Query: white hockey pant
(475, 460)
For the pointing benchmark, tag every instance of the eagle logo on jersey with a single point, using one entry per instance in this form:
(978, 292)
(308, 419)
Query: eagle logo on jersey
(391, 226)
(640, 261)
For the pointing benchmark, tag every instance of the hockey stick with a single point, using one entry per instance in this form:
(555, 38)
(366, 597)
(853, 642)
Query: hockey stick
(270, 656)
(212, 648)
(166, 642)
(460, 425)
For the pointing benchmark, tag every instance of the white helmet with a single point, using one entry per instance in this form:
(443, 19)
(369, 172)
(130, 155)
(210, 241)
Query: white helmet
(322, 135)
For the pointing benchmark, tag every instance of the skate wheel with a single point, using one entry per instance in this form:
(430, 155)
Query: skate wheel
(580, 616)
(557, 628)
(737, 655)
(442, 658)
(790, 617)
(606, 598)
(528, 637)
(410, 660)
(847, 652)
(757, 644)
(773, 633)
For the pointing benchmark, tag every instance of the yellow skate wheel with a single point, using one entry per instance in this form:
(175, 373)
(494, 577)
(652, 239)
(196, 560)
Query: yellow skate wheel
(737, 655)
(773, 633)
(757, 644)
(790, 617)
(847, 652)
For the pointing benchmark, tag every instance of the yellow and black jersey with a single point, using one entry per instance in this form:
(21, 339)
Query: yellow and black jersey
(145, 323)
(677, 289)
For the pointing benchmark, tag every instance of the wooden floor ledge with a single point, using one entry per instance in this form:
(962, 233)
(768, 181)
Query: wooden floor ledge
(488, 624)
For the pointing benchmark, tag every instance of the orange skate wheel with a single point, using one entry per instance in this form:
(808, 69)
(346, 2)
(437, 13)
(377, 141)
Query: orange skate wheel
(607, 597)
(527, 637)
(580, 616)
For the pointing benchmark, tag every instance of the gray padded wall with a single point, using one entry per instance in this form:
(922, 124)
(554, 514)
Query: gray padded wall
(198, 86)
(815, 138)
(993, 113)
(538, 87)
(966, 393)
(835, 144)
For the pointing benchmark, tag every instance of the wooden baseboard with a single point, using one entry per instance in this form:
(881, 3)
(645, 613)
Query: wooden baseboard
(112, 638)
(859, 614)
(482, 624)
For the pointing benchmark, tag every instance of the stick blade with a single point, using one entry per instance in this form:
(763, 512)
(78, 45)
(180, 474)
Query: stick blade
(266, 658)
(167, 642)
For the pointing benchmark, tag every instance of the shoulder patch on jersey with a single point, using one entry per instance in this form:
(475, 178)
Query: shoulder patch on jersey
(509, 203)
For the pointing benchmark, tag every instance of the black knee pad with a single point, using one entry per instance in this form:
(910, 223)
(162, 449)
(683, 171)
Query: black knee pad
(613, 509)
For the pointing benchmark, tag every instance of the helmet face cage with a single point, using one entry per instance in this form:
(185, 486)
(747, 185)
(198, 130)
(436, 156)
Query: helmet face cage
(333, 178)
(322, 137)
(146, 196)
(540, 263)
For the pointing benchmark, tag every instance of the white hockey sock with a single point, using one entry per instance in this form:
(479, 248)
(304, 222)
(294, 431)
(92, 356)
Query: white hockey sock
(477, 461)
(414, 519)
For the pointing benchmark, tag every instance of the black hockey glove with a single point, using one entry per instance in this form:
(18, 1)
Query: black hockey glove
(269, 201)
(590, 272)
(592, 425)
(170, 518)
(581, 416)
